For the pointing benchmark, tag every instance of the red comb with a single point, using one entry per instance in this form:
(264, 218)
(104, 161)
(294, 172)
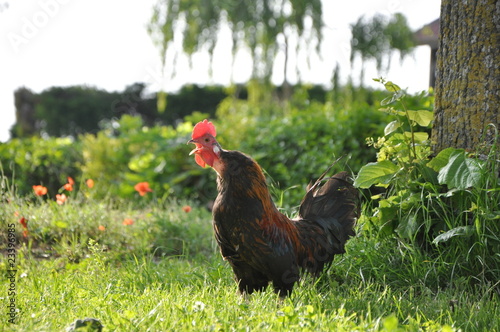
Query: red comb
(202, 128)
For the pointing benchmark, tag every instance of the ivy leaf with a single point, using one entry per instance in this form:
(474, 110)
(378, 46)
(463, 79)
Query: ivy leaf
(375, 173)
(461, 172)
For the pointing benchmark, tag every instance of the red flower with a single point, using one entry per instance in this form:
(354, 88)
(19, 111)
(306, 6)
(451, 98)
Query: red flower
(128, 222)
(101, 228)
(142, 188)
(24, 222)
(70, 180)
(90, 183)
(68, 187)
(186, 208)
(61, 199)
(40, 190)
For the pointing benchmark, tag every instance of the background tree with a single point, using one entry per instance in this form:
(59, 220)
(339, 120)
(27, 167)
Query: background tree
(74, 110)
(63, 111)
(468, 75)
(261, 26)
(378, 38)
(25, 125)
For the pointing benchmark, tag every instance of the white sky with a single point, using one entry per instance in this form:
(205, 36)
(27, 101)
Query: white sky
(49, 43)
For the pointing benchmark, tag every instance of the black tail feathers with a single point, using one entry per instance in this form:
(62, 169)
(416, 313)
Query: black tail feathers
(336, 198)
(334, 206)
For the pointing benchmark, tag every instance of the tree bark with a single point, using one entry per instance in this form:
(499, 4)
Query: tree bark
(468, 75)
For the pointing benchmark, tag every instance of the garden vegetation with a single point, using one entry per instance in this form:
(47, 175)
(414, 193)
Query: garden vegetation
(115, 226)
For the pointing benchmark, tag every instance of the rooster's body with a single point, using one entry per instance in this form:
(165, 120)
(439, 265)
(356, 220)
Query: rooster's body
(261, 244)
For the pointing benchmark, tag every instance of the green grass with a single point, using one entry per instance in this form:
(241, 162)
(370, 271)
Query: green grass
(164, 273)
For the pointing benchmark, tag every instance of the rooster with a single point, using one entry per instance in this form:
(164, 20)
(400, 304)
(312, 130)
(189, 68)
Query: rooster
(261, 244)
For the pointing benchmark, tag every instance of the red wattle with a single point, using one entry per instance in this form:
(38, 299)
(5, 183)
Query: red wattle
(199, 160)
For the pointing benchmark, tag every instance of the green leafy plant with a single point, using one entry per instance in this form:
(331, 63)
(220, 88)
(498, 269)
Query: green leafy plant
(294, 142)
(129, 153)
(447, 205)
(36, 161)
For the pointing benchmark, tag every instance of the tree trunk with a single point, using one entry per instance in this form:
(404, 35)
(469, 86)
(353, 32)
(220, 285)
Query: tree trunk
(468, 75)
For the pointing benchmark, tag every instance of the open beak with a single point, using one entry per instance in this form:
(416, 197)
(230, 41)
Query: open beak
(197, 146)
(197, 151)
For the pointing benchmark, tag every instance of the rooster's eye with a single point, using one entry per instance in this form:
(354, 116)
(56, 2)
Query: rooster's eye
(207, 140)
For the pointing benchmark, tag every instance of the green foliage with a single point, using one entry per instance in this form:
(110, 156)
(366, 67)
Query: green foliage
(368, 39)
(256, 25)
(400, 35)
(192, 98)
(25, 126)
(134, 153)
(432, 228)
(74, 110)
(378, 38)
(447, 205)
(35, 161)
(295, 142)
(461, 172)
(63, 231)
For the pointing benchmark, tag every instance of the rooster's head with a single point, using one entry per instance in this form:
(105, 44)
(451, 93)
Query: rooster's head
(207, 149)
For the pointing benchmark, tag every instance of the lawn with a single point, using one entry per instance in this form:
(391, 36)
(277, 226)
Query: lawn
(152, 265)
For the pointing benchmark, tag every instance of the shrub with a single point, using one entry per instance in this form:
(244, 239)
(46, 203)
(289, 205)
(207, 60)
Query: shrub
(295, 142)
(35, 161)
(132, 153)
(447, 206)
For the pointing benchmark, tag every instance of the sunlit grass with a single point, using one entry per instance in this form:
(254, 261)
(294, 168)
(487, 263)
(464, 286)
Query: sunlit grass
(164, 272)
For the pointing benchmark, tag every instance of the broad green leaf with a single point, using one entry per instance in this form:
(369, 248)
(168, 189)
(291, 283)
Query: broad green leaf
(429, 174)
(392, 87)
(457, 231)
(408, 225)
(461, 172)
(391, 127)
(420, 136)
(421, 117)
(388, 209)
(375, 173)
(442, 158)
